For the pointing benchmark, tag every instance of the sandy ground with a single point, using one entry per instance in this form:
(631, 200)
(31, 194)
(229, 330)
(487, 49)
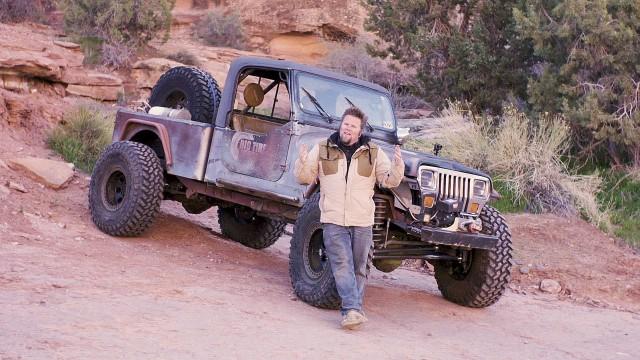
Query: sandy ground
(182, 291)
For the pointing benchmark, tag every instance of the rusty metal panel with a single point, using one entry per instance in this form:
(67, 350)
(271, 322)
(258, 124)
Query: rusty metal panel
(189, 141)
(256, 155)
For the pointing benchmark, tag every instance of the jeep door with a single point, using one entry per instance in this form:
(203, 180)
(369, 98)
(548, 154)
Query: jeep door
(253, 142)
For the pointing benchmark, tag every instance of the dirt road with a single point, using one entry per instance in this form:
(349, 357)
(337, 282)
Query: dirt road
(67, 291)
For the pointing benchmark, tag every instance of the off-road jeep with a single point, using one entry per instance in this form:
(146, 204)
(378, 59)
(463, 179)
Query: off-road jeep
(235, 149)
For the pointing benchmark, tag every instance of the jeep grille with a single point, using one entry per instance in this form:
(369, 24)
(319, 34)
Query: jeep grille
(454, 185)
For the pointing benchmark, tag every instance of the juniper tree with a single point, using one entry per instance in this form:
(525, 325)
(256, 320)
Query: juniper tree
(464, 50)
(589, 69)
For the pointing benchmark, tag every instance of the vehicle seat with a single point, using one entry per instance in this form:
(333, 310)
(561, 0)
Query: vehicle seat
(253, 95)
(252, 124)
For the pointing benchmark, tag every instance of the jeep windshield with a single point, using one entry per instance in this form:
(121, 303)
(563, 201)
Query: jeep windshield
(336, 96)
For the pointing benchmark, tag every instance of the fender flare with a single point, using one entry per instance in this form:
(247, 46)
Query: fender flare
(132, 127)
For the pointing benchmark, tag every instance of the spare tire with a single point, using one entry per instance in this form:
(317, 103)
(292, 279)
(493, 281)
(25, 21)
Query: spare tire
(189, 88)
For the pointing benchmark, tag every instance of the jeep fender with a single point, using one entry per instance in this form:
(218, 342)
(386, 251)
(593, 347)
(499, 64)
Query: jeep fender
(132, 127)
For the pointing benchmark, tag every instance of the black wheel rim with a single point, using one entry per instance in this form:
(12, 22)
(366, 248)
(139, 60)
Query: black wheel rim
(316, 256)
(115, 190)
(177, 100)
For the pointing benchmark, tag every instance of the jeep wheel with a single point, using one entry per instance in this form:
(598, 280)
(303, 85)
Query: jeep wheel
(189, 88)
(480, 280)
(126, 189)
(241, 224)
(309, 268)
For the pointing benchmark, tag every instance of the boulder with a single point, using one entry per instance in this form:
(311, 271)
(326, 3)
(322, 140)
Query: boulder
(51, 173)
(302, 47)
(103, 93)
(147, 72)
(80, 76)
(32, 111)
(67, 45)
(550, 286)
(16, 186)
(32, 61)
(332, 19)
(525, 269)
(28, 52)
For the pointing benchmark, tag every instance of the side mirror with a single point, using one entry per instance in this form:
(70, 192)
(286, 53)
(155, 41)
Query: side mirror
(402, 134)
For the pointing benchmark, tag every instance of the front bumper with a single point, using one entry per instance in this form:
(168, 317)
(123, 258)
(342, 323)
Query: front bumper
(438, 236)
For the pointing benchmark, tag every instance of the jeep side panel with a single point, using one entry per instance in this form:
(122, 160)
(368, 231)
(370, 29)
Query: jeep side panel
(183, 145)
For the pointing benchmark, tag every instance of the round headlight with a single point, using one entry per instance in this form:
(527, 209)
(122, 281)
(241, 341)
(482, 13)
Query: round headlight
(427, 180)
(480, 188)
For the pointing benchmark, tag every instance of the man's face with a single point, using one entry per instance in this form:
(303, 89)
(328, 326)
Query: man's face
(350, 130)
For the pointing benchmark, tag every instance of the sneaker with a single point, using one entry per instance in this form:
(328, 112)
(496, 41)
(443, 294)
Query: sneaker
(352, 319)
(364, 316)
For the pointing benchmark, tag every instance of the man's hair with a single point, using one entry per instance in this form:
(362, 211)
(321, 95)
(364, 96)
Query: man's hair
(355, 111)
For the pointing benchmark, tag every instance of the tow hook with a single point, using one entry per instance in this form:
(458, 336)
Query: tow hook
(470, 225)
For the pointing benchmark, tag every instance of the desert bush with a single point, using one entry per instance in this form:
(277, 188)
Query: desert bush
(221, 27)
(525, 158)
(354, 60)
(184, 57)
(14, 11)
(120, 27)
(82, 135)
(116, 55)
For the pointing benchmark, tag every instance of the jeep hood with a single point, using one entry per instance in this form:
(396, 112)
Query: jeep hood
(412, 160)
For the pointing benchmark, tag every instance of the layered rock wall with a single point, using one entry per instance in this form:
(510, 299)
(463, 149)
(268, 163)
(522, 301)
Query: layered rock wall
(31, 60)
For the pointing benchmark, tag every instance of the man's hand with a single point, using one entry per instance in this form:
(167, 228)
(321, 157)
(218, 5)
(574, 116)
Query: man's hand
(397, 156)
(304, 152)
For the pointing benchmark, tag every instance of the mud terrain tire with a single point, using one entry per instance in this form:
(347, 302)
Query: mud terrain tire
(253, 231)
(484, 280)
(126, 189)
(309, 269)
(189, 88)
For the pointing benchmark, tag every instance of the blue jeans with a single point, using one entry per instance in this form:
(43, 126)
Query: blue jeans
(348, 250)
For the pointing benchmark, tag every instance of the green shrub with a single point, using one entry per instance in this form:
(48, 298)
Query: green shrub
(92, 49)
(621, 193)
(220, 27)
(120, 27)
(84, 132)
(508, 203)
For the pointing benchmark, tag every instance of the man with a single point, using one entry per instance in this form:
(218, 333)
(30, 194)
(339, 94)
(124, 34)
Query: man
(348, 166)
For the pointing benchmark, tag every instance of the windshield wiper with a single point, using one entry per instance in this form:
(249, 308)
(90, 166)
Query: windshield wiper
(369, 127)
(316, 103)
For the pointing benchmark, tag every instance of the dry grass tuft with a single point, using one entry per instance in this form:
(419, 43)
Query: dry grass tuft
(525, 157)
(221, 27)
(184, 57)
(84, 132)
